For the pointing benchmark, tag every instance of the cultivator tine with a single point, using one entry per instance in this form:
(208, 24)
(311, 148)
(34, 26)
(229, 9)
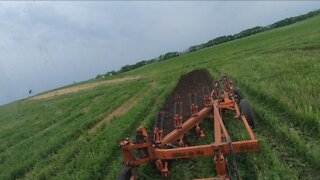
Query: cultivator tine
(142, 137)
(178, 118)
(181, 143)
(177, 113)
(220, 164)
(215, 94)
(158, 128)
(193, 104)
(236, 108)
(194, 111)
(200, 131)
(228, 85)
(206, 96)
(163, 167)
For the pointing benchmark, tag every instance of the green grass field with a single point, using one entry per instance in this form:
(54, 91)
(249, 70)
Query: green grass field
(277, 70)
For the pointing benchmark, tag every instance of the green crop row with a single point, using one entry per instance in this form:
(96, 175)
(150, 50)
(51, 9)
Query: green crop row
(47, 142)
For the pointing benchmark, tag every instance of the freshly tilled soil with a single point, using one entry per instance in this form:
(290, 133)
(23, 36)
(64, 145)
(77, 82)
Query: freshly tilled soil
(188, 83)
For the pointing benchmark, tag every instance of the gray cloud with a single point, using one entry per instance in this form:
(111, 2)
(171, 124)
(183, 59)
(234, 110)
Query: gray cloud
(44, 45)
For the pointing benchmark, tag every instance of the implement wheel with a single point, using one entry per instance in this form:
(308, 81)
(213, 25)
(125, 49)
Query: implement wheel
(125, 174)
(238, 94)
(246, 110)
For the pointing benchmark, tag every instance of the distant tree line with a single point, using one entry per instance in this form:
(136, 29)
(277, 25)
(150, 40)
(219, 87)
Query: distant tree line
(139, 64)
(254, 30)
(215, 41)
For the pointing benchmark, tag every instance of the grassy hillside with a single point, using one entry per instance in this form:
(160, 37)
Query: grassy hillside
(277, 70)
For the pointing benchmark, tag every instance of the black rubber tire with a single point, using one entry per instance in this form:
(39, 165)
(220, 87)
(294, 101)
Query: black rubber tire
(141, 152)
(246, 110)
(139, 138)
(238, 93)
(125, 174)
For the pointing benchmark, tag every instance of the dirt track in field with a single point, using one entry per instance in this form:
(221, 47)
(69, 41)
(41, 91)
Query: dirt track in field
(81, 87)
(118, 112)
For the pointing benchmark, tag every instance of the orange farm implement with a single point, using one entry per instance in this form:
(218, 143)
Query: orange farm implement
(160, 149)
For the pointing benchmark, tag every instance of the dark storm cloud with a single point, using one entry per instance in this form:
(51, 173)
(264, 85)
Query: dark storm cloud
(44, 45)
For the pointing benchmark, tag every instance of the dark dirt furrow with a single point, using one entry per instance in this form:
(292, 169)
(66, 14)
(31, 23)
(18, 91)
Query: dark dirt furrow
(189, 83)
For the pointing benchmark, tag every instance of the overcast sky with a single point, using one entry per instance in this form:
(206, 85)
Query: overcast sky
(45, 45)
